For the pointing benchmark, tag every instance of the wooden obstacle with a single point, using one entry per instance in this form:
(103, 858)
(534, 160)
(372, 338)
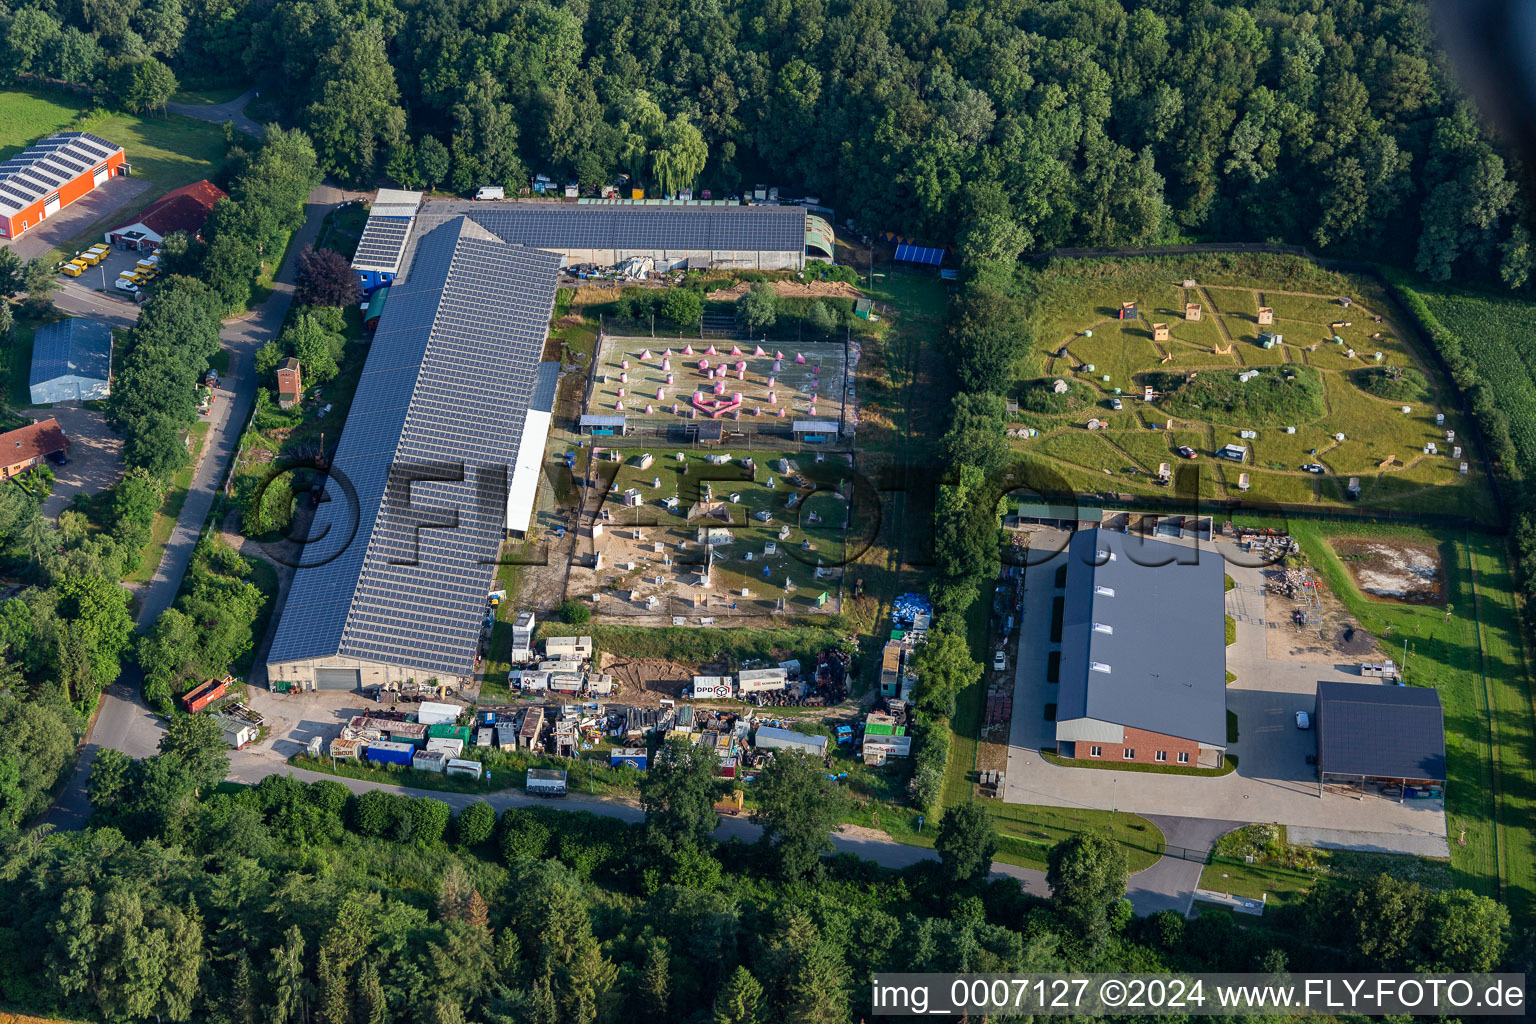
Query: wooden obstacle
(1387, 462)
(1159, 332)
(1266, 315)
(1223, 349)
(1191, 311)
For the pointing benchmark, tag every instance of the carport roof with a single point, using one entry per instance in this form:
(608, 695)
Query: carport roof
(1374, 729)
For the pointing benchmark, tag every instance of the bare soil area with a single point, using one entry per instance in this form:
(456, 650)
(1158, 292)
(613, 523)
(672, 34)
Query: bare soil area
(1339, 637)
(1399, 571)
(645, 681)
(792, 290)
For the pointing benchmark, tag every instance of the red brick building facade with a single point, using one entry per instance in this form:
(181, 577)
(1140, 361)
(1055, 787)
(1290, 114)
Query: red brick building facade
(1138, 746)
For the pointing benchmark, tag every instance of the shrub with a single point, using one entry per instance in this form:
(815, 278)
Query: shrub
(475, 824)
(574, 612)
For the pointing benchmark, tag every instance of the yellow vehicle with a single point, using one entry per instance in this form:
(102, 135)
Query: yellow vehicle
(91, 257)
(101, 248)
(147, 266)
(71, 270)
(131, 275)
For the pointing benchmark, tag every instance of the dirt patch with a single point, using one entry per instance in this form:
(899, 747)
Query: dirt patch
(645, 681)
(792, 290)
(864, 832)
(1337, 636)
(1398, 571)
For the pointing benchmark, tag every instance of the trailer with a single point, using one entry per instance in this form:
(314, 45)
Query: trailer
(713, 687)
(759, 680)
(546, 782)
(448, 732)
(533, 725)
(389, 752)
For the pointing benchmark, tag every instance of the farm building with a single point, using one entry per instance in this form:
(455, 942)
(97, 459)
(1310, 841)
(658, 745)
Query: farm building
(672, 235)
(449, 381)
(1143, 653)
(184, 209)
(44, 178)
(71, 361)
(28, 446)
(1376, 734)
(381, 249)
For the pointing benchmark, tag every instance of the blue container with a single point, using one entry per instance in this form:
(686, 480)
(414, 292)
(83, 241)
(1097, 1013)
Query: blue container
(388, 752)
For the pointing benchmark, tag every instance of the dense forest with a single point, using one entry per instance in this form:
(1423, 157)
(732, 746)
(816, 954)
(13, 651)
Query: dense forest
(997, 127)
(286, 902)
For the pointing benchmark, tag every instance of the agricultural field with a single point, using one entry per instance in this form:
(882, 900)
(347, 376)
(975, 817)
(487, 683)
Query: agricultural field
(1498, 331)
(1340, 385)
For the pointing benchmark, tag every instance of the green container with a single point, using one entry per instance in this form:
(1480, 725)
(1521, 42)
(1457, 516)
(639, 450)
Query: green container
(448, 732)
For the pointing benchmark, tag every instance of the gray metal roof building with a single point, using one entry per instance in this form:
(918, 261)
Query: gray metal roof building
(1375, 730)
(765, 237)
(71, 361)
(443, 400)
(1143, 641)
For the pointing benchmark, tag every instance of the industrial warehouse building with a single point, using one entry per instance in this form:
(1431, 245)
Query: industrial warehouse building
(1143, 652)
(673, 235)
(41, 180)
(1374, 735)
(442, 452)
(430, 474)
(71, 361)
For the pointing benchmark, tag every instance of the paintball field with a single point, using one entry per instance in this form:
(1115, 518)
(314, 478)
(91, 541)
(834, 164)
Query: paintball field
(797, 388)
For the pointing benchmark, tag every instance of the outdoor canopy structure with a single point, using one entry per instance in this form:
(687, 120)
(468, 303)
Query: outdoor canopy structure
(1379, 731)
(919, 254)
(418, 500)
(71, 361)
(1143, 649)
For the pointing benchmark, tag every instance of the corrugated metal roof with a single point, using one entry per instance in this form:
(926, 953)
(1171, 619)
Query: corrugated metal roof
(71, 348)
(448, 379)
(574, 226)
(1396, 732)
(1161, 633)
(41, 168)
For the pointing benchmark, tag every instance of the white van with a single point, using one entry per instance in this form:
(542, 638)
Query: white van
(126, 284)
(490, 192)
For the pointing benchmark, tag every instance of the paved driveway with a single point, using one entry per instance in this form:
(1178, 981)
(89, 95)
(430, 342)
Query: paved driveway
(95, 455)
(1273, 782)
(98, 204)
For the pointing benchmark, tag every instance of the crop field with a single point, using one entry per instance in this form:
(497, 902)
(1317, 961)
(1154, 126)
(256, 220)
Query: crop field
(1470, 650)
(1499, 333)
(1303, 392)
(650, 549)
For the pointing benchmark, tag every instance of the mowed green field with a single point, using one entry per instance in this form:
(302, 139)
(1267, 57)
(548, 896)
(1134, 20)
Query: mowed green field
(1472, 653)
(1073, 310)
(25, 117)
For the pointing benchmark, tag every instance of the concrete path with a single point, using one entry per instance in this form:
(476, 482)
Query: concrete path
(218, 113)
(123, 722)
(1170, 883)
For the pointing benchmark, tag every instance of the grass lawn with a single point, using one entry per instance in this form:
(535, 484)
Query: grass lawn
(1229, 765)
(261, 288)
(170, 510)
(1472, 653)
(26, 117)
(18, 361)
(343, 228)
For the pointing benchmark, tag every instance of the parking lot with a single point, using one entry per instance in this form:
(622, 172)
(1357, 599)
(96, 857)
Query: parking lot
(102, 276)
(1273, 781)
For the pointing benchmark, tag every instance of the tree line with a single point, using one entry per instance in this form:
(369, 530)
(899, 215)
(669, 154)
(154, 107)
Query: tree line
(286, 902)
(998, 128)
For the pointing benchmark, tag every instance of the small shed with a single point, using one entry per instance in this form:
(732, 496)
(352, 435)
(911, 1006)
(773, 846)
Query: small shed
(771, 738)
(598, 425)
(375, 308)
(815, 431)
(1159, 332)
(1192, 311)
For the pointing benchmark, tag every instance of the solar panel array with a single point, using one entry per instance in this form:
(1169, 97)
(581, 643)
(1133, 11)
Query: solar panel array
(919, 254)
(428, 445)
(697, 228)
(382, 244)
(71, 347)
(42, 169)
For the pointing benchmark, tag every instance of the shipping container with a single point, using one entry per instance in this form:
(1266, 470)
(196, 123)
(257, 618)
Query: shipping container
(546, 782)
(344, 749)
(388, 752)
(449, 747)
(448, 732)
(770, 738)
(433, 713)
(405, 732)
(429, 761)
(713, 687)
(628, 757)
(760, 680)
(200, 697)
(460, 767)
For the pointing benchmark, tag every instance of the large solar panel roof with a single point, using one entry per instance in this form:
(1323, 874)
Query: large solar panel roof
(71, 347)
(453, 368)
(41, 168)
(562, 227)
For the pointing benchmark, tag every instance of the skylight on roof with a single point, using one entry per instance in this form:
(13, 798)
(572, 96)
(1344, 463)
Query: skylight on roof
(1103, 627)
(1099, 666)
(1104, 591)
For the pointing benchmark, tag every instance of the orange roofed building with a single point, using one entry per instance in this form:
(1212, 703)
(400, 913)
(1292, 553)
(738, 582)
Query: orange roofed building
(184, 209)
(28, 446)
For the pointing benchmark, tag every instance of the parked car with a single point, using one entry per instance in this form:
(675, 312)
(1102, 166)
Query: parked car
(58, 458)
(999, 661)
(1303, 720)
(1116, 404)
(1184, 451)
(1313, 467)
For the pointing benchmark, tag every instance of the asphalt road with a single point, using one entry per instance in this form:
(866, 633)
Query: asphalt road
(218, 113)
(123, 722)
